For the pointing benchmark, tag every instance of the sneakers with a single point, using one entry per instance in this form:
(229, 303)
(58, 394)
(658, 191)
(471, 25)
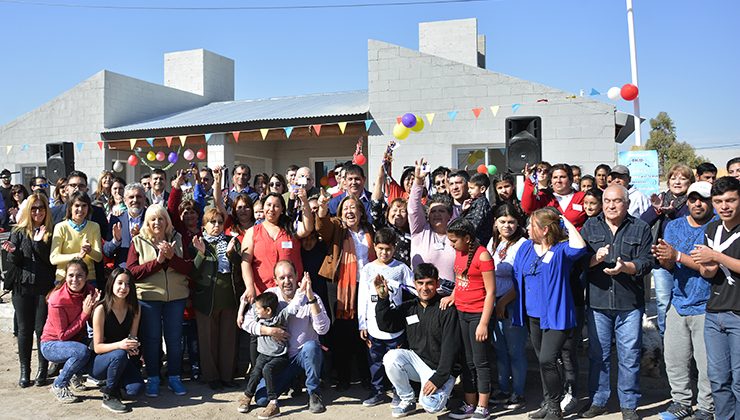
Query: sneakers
(272, 410)
(396, 400)
(63, 394)
(515, 402)
(464, 412)
(375, 399)
(703, 415)
(594, 411)
(244, 401)
(629, 414)
(568, 403)
(316, 404)
(500, 397)
(676, 411)
(152, 386)
(77, 384)
(403, 409)
(481, 413)
(114, 404)
(175, 385)
(539, 414)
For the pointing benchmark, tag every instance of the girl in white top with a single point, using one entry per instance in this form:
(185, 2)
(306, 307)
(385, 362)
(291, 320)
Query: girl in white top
(508, 340)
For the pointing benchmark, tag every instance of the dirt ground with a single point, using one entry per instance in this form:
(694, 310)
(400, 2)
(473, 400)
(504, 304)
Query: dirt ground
(201, 402)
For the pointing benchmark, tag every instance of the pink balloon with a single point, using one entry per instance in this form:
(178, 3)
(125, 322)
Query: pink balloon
(160, 156)
(188, 154)
(201, 154)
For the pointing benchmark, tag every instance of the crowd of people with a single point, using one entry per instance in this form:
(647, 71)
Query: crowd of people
(438, 276)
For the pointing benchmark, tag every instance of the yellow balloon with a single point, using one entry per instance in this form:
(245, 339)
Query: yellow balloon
(480, 154)
(419, 124)
(400, 131)
(151, 156)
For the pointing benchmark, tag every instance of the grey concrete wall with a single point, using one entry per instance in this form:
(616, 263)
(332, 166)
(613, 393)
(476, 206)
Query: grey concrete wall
(456, 40)
(201, 72)
(75, 115)
(400, 80)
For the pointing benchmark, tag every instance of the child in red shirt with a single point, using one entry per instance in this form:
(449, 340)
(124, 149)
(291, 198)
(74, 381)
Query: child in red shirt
(474, 297)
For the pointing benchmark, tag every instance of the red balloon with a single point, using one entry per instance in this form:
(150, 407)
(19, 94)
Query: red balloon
(201, 154)
(324, 181)
(629, 92)
(482, 169)
(133, 160)
(360, 160)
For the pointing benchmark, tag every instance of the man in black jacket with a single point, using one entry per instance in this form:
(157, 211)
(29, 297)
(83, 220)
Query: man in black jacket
(433, 335)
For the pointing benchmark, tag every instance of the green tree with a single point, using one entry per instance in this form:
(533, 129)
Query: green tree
(663, 139)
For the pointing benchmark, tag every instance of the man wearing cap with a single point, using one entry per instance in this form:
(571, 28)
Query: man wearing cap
(5, 186)
(639, 202)
(684, 325)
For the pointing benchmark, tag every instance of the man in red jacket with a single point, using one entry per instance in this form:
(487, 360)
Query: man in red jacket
(560, 195)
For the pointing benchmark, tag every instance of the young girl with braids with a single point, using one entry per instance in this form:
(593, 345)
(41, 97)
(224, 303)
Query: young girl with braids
(474, 297)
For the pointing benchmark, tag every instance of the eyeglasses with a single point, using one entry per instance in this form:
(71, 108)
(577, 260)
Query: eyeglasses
(77, 185)
(439, 183)
(276, 184)
(41, 185)
(694, 198)
(37, 208)
(542, 170)
(216, 222)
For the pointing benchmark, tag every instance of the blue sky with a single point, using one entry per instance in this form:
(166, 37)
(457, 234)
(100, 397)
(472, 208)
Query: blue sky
(688, 63)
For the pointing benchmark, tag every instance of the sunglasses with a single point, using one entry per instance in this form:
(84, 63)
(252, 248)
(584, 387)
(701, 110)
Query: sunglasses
(39, 208)
(276, 184)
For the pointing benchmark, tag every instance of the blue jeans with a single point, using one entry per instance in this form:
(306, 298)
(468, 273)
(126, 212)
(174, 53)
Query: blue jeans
(663, 280)
(722, 340)
(403, 366)
(627, 327)
(509, 341)
(118, 371)
(73, 354)
(155, 317)
(308, 360)
(378, 349)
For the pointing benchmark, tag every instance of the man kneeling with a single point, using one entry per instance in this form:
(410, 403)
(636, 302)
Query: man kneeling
(434, 339)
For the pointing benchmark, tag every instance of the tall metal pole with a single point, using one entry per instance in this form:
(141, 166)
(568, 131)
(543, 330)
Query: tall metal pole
(633, 66)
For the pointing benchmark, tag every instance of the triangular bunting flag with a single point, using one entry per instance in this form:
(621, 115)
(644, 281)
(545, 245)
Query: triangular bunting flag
(398, 120)
(132, 142)
(594, 92)
(368, 123)
(288, 130)
(264, 131)
(476, 112)
(80, 146)
(168, 139)
(452, 115)
(208, 136)
(150, 140)
(236, 136)
(182, 140)
(494, 110)
(25, 147)
(317, 129)
(342, 126)
(515, 107)
(430, 117)
(100, 145)
(8, 149)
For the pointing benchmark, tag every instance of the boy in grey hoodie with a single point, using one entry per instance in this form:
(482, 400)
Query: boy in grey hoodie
(273, 354)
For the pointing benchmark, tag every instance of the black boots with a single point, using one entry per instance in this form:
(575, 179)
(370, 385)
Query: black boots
(43, 373)
(25, 379)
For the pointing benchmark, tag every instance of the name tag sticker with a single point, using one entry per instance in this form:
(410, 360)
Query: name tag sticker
(373, 298)
(548, 256)
(439, 246)
(287, 244)
(413, 319)
(577, 207)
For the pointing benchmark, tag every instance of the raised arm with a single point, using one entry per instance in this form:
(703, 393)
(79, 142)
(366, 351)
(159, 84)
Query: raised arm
(417, 215)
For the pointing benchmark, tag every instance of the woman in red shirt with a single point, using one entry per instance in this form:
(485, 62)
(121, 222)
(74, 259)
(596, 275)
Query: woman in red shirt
(474, 298)
(70, 306)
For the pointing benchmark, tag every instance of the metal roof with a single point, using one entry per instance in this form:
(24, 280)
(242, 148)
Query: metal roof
(283, 108)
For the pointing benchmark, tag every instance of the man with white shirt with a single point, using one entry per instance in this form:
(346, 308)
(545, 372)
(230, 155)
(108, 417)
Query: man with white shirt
(639, 202)
(158, 194)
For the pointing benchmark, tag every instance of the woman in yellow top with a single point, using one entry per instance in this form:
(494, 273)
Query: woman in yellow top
(76, 237)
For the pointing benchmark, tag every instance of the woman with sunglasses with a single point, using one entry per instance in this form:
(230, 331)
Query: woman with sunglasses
(30, 277)
(18, 194)
(542, 268)
(277, 184)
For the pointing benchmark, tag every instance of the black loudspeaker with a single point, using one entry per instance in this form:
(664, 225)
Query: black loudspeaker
(60, 160)
(523, 142)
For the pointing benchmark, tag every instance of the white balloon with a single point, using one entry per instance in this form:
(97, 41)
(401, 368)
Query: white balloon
(614, 93)
(118, 166)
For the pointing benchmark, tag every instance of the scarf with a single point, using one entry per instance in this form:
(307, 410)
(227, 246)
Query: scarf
(678, 201)
(347, 281)
(221, 242)
(77, 227)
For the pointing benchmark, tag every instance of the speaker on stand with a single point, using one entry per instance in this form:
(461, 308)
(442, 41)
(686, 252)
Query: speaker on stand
(523, 142)
(60, 160)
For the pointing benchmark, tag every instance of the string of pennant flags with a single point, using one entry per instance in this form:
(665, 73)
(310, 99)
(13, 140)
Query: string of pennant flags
(452, 115)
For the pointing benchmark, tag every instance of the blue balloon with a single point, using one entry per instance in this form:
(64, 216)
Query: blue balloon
(172, 157)
(408, 120)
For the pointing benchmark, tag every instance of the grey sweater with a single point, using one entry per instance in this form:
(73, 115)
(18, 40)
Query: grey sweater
(266, 344)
